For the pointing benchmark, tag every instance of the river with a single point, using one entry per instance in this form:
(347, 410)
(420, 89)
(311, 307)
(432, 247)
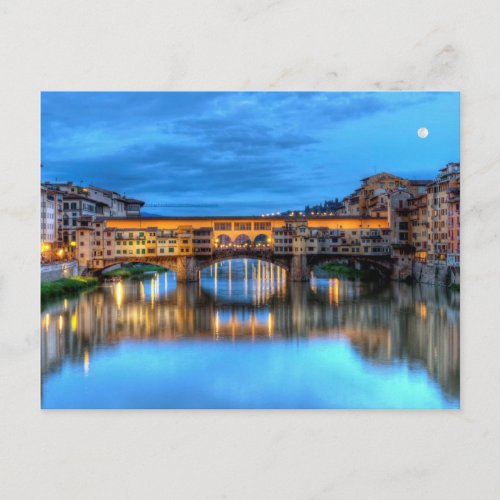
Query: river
(245, 338)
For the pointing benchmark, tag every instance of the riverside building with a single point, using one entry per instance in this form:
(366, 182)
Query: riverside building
(51, 236)
(83, 204)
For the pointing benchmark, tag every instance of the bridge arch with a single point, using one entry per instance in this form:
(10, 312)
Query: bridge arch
(383, 267)
(223, 239)
(241, 256)
(168, 265)
(261, 239)
(243, 240)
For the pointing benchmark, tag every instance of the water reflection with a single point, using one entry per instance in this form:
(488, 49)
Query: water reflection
(394, 326)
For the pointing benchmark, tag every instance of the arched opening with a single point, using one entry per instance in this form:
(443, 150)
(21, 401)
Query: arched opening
(351, 267)
(251, 260)
(132, 269)
(242, 240)
(261, 240)
(223, 240)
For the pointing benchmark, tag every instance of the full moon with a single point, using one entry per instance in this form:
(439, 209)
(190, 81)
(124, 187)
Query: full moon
(422, 133)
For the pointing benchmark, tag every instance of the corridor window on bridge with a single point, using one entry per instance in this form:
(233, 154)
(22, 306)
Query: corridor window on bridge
(270, 262)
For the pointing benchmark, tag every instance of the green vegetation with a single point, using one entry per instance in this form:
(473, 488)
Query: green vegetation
(66, 286)
(455, 286)
(350, 273)
(134, 272)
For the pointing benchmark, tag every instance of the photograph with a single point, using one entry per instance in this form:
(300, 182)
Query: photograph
(250, 250)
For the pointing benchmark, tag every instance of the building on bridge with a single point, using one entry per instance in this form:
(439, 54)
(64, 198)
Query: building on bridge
(196, 241)
(97, 246)
(300, 239)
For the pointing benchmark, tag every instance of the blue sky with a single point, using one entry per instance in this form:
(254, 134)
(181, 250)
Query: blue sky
(247, 152)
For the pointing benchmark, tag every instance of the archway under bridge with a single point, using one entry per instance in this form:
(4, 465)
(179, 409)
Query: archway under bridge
(220, 259)
(169, 264)
(297, 267)
(383, 265)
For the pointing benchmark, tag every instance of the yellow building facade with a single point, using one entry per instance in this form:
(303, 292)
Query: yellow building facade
(109, 240)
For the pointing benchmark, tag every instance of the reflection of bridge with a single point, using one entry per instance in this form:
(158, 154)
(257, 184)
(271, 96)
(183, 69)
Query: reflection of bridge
(393, 322)
(297, 267)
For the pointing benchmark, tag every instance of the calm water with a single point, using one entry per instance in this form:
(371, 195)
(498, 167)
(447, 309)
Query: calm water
(244, 338)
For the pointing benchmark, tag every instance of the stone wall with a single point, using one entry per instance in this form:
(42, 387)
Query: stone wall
(436, 274)
(402, 268)
(58, 270)
(299, 269)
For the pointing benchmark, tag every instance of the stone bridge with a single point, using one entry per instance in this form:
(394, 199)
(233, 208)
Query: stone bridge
(297, 267)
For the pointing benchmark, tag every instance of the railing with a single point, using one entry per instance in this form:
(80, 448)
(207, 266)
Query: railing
(249, 250)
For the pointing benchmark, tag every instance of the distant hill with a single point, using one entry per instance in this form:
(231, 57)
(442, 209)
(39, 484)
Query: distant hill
(327, 206)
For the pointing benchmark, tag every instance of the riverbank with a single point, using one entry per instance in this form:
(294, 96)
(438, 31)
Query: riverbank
(134, 272)
(437, 273)
(350, 273)
(66, 286)
(53, 271)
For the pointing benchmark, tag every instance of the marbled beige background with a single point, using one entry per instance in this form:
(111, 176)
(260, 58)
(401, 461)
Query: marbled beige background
(253, 44)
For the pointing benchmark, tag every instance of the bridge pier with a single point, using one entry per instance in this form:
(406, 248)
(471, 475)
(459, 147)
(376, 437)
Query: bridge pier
(187, 269)
(299, 269)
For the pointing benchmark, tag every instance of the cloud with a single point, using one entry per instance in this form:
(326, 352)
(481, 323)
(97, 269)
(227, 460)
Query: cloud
(254, 149)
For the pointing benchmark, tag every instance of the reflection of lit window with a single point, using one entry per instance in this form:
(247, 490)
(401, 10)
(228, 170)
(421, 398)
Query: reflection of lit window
(86, 361)
(74, 322)
(119, 294)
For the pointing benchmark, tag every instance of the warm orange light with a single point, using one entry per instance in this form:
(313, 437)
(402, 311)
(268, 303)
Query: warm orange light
(270, 326)
(47, 321)
(422, 310)
(73, 243)
(119, 294)
(74, 322)
(86, 361)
